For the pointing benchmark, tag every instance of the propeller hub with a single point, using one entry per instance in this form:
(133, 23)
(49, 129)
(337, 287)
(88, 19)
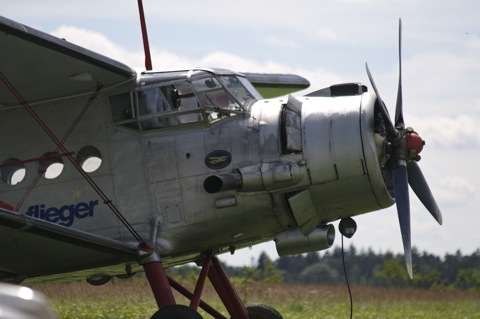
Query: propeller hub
(414, 144)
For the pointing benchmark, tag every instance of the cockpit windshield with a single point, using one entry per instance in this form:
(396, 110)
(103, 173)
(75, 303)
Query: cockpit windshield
(241, 89)
(175, 98)
(211, 94)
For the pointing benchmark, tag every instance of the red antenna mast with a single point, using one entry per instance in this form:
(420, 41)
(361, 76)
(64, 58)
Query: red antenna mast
(146, 47)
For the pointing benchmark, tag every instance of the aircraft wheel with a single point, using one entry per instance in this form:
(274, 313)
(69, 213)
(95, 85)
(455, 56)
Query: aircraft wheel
(177, 312)
(263, 312)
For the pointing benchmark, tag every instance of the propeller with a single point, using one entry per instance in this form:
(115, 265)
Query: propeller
(405, 145)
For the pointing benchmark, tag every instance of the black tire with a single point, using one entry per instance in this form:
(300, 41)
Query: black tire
(263, 312)
(176, 312)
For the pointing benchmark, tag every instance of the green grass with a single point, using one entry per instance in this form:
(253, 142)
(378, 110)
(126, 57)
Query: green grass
(133, 300)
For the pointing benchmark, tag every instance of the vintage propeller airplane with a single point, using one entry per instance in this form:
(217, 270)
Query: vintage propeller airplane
(102, 166)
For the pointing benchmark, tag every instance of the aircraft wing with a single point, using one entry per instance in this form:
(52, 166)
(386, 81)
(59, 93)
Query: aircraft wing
(43, 67)
(272, 85)
(31, 247)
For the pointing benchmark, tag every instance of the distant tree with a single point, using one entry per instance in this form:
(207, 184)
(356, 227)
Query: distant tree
(469, 278)
(319, 273)
(262, 261)
(250, 274)
(312, 258)
(427, 279)
(290, 266)
(368, 267)
(270, 274)
(265, 270)
(451, 266)
(393, 272)
(352, 251)
(472, 261)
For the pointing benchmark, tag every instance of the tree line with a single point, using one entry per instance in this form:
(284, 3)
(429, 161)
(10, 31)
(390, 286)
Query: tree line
(365, 267)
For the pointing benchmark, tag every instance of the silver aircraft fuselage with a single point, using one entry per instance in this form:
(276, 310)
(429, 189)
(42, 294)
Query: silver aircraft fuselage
(197, 161)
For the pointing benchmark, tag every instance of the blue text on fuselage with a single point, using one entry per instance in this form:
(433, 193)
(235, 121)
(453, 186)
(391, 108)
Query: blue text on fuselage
(64, 215)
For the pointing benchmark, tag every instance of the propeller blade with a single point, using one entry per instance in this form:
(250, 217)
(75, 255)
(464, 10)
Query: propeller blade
(399, 122)
(391, 131)
(403, 210)
(419, 185)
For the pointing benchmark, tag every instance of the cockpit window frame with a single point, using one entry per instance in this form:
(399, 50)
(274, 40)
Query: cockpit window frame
(222, 104)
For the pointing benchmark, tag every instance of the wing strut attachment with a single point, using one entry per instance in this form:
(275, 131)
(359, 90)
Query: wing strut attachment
(72, 160)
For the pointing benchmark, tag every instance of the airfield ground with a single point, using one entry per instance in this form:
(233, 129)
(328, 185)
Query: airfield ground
(134, 300)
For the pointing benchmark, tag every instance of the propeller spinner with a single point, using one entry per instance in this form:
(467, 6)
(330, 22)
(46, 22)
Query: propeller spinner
(405, 145)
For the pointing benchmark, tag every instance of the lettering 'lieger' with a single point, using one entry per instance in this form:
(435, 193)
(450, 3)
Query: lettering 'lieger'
(64, 215)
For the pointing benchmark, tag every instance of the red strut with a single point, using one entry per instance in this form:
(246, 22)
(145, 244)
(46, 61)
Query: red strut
(146, 46)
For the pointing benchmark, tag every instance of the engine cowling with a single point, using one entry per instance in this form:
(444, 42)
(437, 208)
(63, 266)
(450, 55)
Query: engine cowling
(343, 155)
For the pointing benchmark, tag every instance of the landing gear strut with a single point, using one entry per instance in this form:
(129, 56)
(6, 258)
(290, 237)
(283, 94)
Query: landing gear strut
(162, 286)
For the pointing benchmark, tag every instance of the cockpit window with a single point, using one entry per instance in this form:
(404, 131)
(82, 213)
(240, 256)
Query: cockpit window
(201, 99)
(153, 101)
(213, 95)
(242, 90)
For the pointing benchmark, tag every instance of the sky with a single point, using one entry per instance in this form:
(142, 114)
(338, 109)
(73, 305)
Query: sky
(327, 42)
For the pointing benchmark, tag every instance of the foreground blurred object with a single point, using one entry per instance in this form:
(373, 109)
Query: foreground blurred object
(17, 302)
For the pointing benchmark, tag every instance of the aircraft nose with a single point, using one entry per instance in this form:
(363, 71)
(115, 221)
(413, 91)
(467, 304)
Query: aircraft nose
(340, 149)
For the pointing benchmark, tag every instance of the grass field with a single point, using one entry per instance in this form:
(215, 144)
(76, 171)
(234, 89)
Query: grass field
(133, 300)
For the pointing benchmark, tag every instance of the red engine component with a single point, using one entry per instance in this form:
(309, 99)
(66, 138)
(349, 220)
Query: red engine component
(414, 142)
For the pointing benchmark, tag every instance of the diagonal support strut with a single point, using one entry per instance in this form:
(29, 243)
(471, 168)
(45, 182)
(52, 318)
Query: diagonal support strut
(70, 157)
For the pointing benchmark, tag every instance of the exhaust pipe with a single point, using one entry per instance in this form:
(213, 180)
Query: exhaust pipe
(222, 182)
(260, 177)
(293, 242)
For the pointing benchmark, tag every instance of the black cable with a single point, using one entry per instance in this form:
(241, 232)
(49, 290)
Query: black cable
(346, 279)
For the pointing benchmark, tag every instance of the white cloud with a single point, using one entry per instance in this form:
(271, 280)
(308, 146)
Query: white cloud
(445, 73)
(455, 189)
(473, 42)
(461, 131)
(165, 60)
(99, 43)
(279, 42)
